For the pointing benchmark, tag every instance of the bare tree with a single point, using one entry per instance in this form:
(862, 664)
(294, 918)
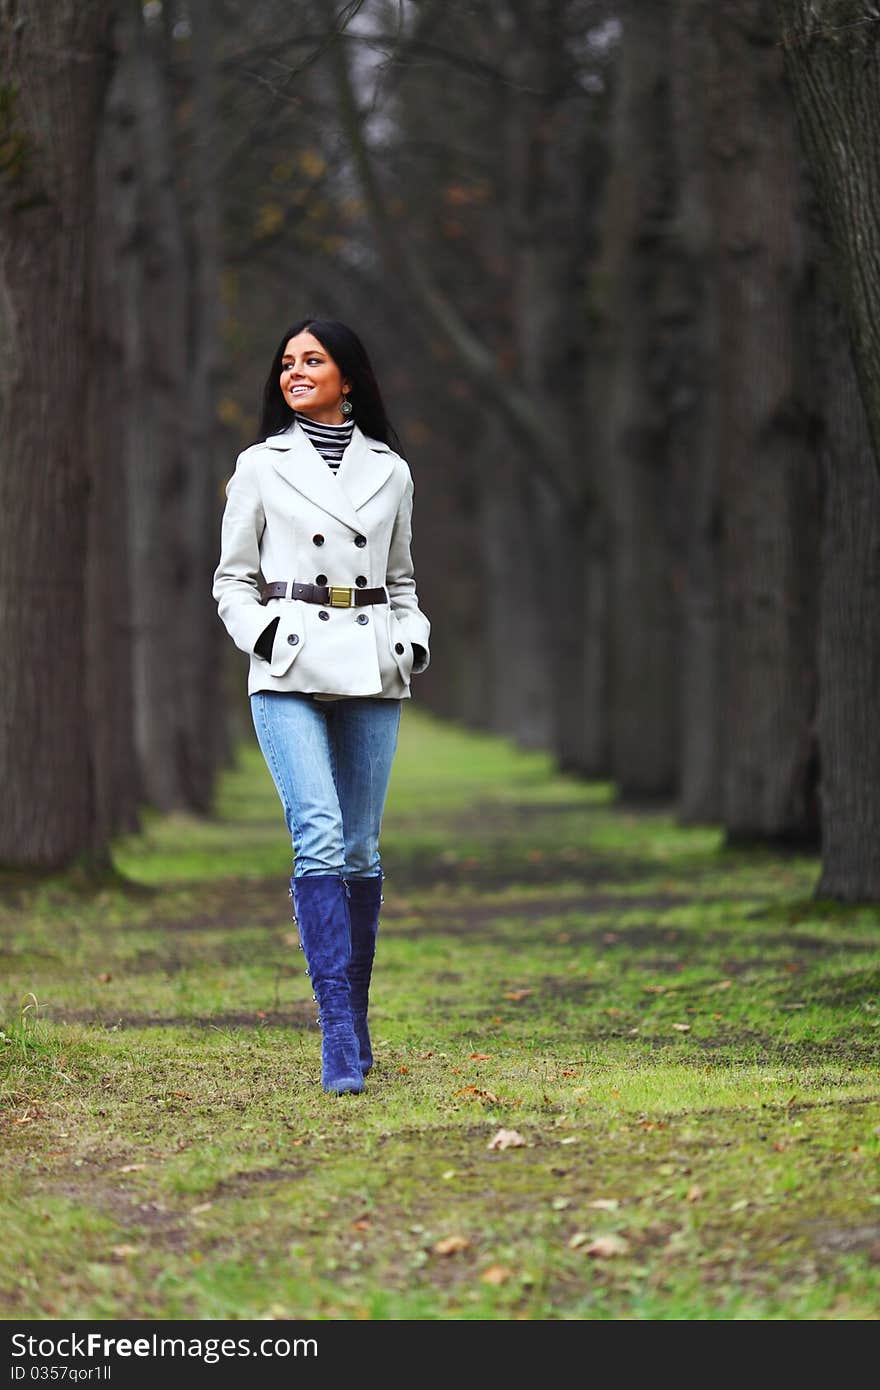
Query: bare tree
(54, 69)
(768, 460)
(634, 272)
(831, 52)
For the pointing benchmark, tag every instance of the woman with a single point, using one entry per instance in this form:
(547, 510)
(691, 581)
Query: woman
(315, 582)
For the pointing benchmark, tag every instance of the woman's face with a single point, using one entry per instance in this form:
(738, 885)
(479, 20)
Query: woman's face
(311, 382)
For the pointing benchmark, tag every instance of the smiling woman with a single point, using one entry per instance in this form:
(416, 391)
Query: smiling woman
(312, 383)
(315, 582)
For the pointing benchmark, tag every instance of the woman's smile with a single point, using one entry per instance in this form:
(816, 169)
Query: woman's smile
(310, 380)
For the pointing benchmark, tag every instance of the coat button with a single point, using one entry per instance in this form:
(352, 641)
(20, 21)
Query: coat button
(361, 581)
(323, 614)
(362, 618)
(360, 541)
(320, 579)
(398, 647)
(292, 639)
(317, 540)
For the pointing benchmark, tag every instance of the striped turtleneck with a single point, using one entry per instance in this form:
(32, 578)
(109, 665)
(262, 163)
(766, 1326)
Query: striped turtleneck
(331, 441)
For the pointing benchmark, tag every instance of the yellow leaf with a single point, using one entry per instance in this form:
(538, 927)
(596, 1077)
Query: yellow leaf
(451, 1245)
(311, 163)
(605, 1247)
(495, 1274)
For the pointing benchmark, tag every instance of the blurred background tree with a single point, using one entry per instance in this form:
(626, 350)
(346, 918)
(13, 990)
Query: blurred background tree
(617, 281)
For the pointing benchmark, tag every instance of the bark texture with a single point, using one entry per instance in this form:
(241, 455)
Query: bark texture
(636, 487)
(54, 69)
(832, 57)
(769, 474)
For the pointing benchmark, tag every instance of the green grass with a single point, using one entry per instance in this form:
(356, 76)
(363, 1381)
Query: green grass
(683, 1041)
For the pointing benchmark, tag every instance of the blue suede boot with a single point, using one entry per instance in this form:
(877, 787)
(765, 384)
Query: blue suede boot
(320, 905)
(364, 903)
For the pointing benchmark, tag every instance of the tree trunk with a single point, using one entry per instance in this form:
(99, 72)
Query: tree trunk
(830, 51)
(693, 436)
(643, 662)
(157, 437)
(118, 792)
(203, 638)
(769, 476)
(849, 650)
(54, 72)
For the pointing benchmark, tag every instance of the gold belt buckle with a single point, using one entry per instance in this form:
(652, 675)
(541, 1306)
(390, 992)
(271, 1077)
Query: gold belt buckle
(340, 596)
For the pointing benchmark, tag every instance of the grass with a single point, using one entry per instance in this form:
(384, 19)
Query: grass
(623, 1073)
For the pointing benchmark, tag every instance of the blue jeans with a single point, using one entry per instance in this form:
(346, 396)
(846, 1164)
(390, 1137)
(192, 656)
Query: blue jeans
(331, 763)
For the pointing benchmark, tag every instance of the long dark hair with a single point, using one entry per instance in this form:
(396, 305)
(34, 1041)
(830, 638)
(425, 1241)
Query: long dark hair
(350, 356)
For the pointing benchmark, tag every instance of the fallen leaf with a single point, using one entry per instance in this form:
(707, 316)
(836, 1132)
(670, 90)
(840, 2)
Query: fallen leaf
(451, 1245)
(402, 1070)
(480, 1056)
(362, 1223)
(682, 1027)
(518, 994)
(579, 1238)
(202, 1206)
(105, 978)
(123, 1251)
(722, 984)
(694, 1193)
(605, 1204)
(654, 989)
(506, 1139)
(604, 1247)
(496, 1274)
(478, 1092)
(132, 1167)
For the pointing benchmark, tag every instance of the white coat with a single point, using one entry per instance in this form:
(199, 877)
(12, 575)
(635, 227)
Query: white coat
(289, 518)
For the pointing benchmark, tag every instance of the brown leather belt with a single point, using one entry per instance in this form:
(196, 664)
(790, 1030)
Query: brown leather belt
(330, 595)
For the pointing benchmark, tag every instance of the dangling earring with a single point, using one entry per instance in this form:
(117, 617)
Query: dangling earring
(346, 406)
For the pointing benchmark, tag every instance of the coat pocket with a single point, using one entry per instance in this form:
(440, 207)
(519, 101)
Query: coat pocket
(401, 647)
(289, 639)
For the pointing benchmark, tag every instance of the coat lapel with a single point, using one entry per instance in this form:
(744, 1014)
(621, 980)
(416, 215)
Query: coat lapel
(298, 462)
(366, 466)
